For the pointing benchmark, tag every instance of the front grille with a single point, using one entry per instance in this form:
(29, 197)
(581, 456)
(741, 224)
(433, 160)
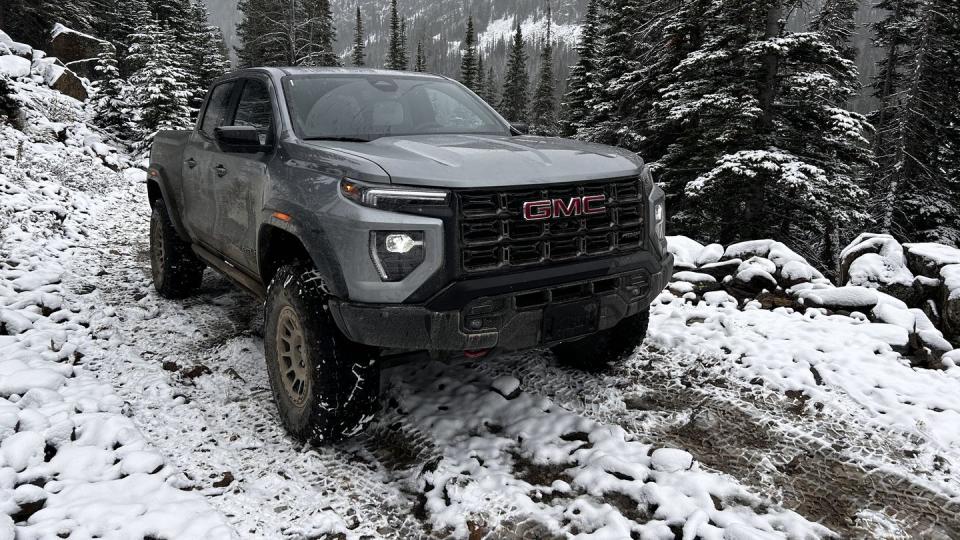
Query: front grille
(495, 236)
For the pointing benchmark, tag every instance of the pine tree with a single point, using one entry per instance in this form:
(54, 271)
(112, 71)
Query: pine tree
(359, 53)
(836, 22)
(513, 104)
(916, 140)
(396, 56)
(760, 145)
(404, 50)
(543, 120)
(469, 71)
(421, 65)
(318, 48)
(490, 93)
(111, 111)
(581, 89)
(9, 106)
(158, 97)
(481, 77)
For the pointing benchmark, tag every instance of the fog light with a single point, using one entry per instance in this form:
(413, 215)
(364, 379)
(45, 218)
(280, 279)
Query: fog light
(401, 243)
(396, 254)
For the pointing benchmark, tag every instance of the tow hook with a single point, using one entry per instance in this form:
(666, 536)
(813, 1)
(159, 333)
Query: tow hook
(476, 354)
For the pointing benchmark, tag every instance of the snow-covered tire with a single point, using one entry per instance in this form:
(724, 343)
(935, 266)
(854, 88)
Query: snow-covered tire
(326, 386)
(176, 270)
(596, 352)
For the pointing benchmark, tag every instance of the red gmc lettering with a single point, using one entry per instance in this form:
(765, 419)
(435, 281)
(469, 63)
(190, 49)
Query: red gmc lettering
(576, 206)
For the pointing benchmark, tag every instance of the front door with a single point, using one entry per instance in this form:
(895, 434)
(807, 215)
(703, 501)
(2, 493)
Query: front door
(199, 162)
(239, 189)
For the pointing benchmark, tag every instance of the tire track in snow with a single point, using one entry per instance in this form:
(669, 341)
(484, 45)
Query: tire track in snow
(822, 467)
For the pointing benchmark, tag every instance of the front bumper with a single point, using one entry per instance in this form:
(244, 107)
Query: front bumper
(507, 313)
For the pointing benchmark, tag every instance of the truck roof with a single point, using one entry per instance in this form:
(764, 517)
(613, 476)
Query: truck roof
(305, 70)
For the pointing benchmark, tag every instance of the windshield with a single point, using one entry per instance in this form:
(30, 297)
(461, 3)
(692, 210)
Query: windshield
(366, 107)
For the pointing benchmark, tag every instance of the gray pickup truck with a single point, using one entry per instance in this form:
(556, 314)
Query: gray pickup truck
(379, 212)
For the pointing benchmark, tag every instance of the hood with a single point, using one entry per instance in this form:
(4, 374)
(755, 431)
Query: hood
(468, 161)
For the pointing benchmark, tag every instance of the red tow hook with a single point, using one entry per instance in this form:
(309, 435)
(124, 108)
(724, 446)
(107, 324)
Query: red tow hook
(476, 354)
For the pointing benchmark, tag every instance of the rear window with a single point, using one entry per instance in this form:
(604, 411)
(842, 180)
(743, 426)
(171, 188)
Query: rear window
(217, 108)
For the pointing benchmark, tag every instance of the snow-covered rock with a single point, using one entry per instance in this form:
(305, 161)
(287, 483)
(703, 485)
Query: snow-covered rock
(685, 251)
(710, 254)
(927, 340)
(878, 261)
(75, 49)
(671, 460)
(14, 66)
(748, 249)
(13, 47)
(846, 299)
(950, 299)
(926, 259)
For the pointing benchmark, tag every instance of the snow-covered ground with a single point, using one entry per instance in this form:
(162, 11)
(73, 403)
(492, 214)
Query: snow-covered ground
(123, 415)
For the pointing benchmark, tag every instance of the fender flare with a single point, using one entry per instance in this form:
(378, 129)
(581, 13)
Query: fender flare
(329, 270)
(160, 182)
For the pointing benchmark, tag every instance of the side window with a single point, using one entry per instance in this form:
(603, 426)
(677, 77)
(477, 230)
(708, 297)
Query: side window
(216, 112)
(254, 108)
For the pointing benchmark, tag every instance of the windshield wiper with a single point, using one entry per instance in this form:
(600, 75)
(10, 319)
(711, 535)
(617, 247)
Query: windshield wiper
(339, 139)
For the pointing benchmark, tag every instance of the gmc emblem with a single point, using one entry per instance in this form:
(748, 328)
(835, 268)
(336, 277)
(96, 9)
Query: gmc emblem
(554, 208)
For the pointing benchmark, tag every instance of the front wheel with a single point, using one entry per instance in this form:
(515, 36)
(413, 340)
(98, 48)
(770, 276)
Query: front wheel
(596, 352)
(326, 386)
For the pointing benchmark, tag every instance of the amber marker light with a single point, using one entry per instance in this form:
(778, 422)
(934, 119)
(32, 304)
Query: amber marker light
(281, 216)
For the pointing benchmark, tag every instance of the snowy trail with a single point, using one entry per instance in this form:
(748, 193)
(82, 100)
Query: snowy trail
(192, 374)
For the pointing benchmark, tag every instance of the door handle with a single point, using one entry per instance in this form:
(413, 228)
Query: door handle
(221, 170)
(191, 163)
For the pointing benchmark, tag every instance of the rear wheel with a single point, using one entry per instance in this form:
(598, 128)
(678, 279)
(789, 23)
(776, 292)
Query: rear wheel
(325, 385)
(176, 270)
(596, 352)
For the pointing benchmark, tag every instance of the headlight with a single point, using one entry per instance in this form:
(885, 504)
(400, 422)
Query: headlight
(397, 199)
(660, 220)
(396, 254)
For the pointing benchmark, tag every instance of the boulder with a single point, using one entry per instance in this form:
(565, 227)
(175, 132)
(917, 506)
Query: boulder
(750, 248)
(14, 66)
(65, 81)
(685, 251)
(721, 269)
(950, 300)
(72, 46)
(15, 48)
(794, 273)
(710, 254)
(926, 259)
(878, 261)
(927, 342)
(845, 299)
(753, 276)
(701, 282)
(85, 68)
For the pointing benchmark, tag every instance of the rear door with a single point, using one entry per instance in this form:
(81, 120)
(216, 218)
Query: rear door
(199, 163)
(239, 192)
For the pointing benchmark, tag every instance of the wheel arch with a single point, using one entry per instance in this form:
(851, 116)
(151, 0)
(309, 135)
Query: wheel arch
(278, 245)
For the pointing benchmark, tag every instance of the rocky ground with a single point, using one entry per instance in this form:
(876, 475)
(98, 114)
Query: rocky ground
(762, 404)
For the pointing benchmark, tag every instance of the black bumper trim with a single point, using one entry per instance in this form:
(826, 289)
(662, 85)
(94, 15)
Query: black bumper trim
(418, 327)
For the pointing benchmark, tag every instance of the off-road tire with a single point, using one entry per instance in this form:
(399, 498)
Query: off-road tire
(596, 352)
(327, 387)
(177, 272)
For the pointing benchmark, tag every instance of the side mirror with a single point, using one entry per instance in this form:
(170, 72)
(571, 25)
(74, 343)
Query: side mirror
(240, 139)
(520, 128)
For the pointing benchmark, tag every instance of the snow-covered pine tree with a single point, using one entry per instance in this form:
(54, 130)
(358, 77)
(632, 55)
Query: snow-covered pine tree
(761, 147)
(581, 88)
(421, 64)
(111, 111)
(404, 49)
(121, 19)
(209, 59)
(514, 103)
(470, 73)
(157, 95)
(916, 140)
(543, 117)
(269, 32)
(481, 75)
(318, 44)
(396, 56)
(359, 52)
(490, 88)
(836, 22)
(30, 21)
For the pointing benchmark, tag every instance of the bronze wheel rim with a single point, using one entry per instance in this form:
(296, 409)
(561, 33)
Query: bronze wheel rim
(292, 357)
(156, 237)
